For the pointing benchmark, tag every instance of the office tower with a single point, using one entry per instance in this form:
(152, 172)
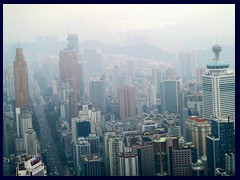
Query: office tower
(220, 142)
(97, 94)
(9, 134)
(94, 142)
(9, 80)
(151, 97)
(184, 118)
(182, 159)
(30, 166)
(197, 129)
(199, 72)
(69, 73)
(187, 61)
(218, 88)
(73, 43)
(163, 148)
(21, 80)
(157, 78)
(127, 102)
(30, 142)
(93, 165)
(115, 81)
(23, 122)
(128, 164)
(107, 136)
(170, 95)
(81, 79)
(66, 95)
(94, 60)
(80, 147)
(80, 128)
(115, 146)
(145, 159)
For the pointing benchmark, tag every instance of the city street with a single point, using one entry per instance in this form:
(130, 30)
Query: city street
(47, 144)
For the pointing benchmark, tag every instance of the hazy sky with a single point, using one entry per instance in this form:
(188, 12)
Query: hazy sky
(25, 22)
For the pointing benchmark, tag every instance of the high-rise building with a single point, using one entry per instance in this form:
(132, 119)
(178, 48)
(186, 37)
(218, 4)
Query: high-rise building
(157, 78)
(80, 128)
(93, 165)
(128, 164)
(182, 159)
(199, 72)
(23, 122)
(21, 80)
(127, 102)
(218, 88)
(151, 97)
(145, 159)
(9, 134)
(116, 146)
(94, 142)
(30, 166)
(115, 81)
(69, 73)
(197, 129)
(170, 95)
(107, 136)
(30, 142)
(80, 147)
(97, 93)
(9, 80)
(94, 60)
(73, 43)
(220, 142)
(187, 65)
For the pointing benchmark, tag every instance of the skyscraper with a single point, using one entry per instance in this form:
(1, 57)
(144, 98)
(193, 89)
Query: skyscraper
(21, 80)
(80, 128)
(218, 88)
(69, 73)
(145, 159)
(170, 95)
(196, 131)
(187, 65)
(97, 94)
(93, 165)
(127, 102)
(128, 164)
(73, 43)
(220, 142)
(115, 145)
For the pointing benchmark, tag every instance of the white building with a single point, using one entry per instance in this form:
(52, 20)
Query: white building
(31, 166)
(128, 164)
(218, 88)
(116, 146)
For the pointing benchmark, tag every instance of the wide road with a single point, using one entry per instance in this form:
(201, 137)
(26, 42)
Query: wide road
(47, 144)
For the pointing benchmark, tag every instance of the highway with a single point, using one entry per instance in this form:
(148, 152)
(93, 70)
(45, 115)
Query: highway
(47, 144)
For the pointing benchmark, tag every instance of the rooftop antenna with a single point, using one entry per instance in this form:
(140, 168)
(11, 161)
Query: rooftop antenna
(216, 39)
